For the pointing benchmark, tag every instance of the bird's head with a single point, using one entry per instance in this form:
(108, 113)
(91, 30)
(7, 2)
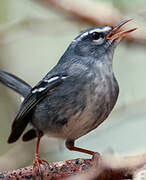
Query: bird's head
(99, 40)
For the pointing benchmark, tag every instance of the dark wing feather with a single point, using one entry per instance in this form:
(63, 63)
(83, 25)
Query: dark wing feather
(37, 94)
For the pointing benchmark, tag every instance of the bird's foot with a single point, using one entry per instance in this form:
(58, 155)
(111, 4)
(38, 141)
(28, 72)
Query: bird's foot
(95, 155)
(37, 165)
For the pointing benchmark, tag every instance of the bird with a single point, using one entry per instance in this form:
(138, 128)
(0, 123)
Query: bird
(75, 96)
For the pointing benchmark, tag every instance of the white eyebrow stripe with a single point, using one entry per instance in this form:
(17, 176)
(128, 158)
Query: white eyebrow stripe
(84, 34)
(106, 28)
(103, 29)
(81, 36)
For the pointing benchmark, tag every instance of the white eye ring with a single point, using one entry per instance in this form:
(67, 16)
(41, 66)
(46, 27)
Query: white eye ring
(99, 41)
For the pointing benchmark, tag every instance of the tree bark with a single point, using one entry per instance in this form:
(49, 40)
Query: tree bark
(107, 167)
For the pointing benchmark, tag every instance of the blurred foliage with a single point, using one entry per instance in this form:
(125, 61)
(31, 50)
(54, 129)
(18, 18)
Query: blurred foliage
(3, 11)
(124, 5)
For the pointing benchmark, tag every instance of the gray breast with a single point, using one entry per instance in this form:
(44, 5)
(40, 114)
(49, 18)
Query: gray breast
(78, 106)
(104, 94)
(101, 96)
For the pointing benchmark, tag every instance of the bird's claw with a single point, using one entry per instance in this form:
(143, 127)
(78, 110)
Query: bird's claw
(36, 164)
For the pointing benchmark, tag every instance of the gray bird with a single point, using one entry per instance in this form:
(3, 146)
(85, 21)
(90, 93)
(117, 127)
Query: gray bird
(76, 96)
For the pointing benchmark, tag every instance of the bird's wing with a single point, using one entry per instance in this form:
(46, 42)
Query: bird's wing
(35, 96)
(15, 83)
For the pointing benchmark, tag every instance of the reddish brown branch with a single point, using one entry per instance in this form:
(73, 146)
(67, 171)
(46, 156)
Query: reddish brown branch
(96, 13)
(92, 12)
(106, 168)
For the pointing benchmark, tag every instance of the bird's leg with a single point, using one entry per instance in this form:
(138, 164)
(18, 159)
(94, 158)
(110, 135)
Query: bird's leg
(70, 145)
(38, 160)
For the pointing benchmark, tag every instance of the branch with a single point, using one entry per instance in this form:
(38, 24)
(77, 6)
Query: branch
(107, 167)
(96, 13)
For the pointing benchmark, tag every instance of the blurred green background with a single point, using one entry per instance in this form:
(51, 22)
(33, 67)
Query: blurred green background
(32, 39)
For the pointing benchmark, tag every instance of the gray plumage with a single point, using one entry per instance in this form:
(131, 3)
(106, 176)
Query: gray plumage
(85, 98)
(81, 103)
(77, 95)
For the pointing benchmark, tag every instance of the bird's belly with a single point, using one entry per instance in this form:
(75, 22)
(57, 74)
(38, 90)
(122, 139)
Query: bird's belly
(90, 119)
(79, 126)
(98, 108)
(99, 104)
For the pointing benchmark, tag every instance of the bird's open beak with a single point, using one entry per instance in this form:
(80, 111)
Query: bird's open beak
(116, 33)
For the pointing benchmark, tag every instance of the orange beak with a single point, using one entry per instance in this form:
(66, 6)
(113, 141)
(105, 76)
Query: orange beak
(116, 33)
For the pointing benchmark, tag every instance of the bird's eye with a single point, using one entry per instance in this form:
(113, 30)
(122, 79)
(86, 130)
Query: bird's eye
(95, 35)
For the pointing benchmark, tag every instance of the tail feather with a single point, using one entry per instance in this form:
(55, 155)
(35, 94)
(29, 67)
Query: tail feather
(18, 127)
(29, 135)
(15, 83)
(23, 89)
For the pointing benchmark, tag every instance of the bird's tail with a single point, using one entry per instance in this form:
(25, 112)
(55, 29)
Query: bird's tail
(15, 83)
(23, 89)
